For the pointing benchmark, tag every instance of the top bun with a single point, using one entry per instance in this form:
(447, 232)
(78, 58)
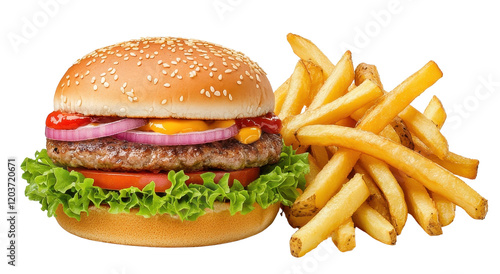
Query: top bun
(165, 77)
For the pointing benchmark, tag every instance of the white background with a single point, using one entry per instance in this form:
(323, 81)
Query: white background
(41, 39)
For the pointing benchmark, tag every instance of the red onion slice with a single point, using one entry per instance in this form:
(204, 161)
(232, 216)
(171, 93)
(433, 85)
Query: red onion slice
(191, 138)
(92, 132)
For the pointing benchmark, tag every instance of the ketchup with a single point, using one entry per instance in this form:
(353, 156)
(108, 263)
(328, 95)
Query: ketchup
(61, 120)
(269, 123)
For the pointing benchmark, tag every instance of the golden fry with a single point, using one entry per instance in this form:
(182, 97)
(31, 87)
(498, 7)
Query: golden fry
(434, 177)
(337, 83)
(420, 205)
(374, 224)
(330, 217)
(376, 199)
(332, 112)
(344, 236)
(426, 131)
(383, 177)
(280, 95)
(435, 112)
(307, 50)
(365, 72)
(297, 92)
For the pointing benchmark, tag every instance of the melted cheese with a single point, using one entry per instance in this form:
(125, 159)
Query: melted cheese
(245, 135)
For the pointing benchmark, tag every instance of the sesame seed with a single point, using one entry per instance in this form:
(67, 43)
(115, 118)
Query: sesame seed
(159, 62)
(77, 83)
(207, 94)
(122, 89)
(139, 63)
(212, 89)
(130, 99)
(92, 80)
(103, 80)
(211, 74)
(88, 63)
(164, 72)
(112, 71)
(181, 98)
(103, 74)
(106, 84)
(164, 101)
(220, 77)
(228, 70)
(125, 84)
(230, 97)
(257, 85)
(217, 93)
(239, 82)
(211, 64)
(257, 77)
(95, 87)
(179, 77)
(149, 78)
(224, 92)
(125, 58)
(79, 102)
(192, 73)
(116, 77)
(167, 85)
(155, 81)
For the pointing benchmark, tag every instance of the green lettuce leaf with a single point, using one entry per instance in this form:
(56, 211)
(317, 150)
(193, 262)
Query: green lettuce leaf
(52, 185)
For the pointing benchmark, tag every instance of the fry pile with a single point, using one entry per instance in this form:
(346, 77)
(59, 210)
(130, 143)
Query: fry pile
(373, 157)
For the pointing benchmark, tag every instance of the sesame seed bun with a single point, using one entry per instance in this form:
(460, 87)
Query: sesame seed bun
(165, 77)
(215, 227)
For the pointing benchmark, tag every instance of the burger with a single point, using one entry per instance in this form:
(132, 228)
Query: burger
(164, 142)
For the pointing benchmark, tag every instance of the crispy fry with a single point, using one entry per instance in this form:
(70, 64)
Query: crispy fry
(331, 216)
(337, 83)
(458, 165)
(383, 177)
(376, 199)
(332, 112)
(430, 174)
(404, 134)
(445, 208)
(374, 224)
(280, 95)
(320, 155)
(435, 112)
(344, 236)
(330, 178)
(293, 221)
(420, 204)
(426, 131)
(307, 50)
(365, 72)
(313, 169)
(297, 91)
(317, 80)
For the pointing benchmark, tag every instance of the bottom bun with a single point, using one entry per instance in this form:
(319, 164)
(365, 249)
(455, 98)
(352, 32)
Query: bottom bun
(215, 227)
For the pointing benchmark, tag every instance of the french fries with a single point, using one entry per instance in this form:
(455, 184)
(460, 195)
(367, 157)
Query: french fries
(387, 183)
(337, 83)
(306, 50)
(331, 112)
(420, 205)
(344, 237)
(374, 158)
(330, 178)
(330, 217)
(297, 91)
(373, 223)
(430, 174)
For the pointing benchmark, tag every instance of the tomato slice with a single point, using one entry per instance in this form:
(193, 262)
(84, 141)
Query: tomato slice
(119, 180)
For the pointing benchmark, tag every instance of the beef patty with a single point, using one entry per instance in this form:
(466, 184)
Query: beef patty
(118, 155)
